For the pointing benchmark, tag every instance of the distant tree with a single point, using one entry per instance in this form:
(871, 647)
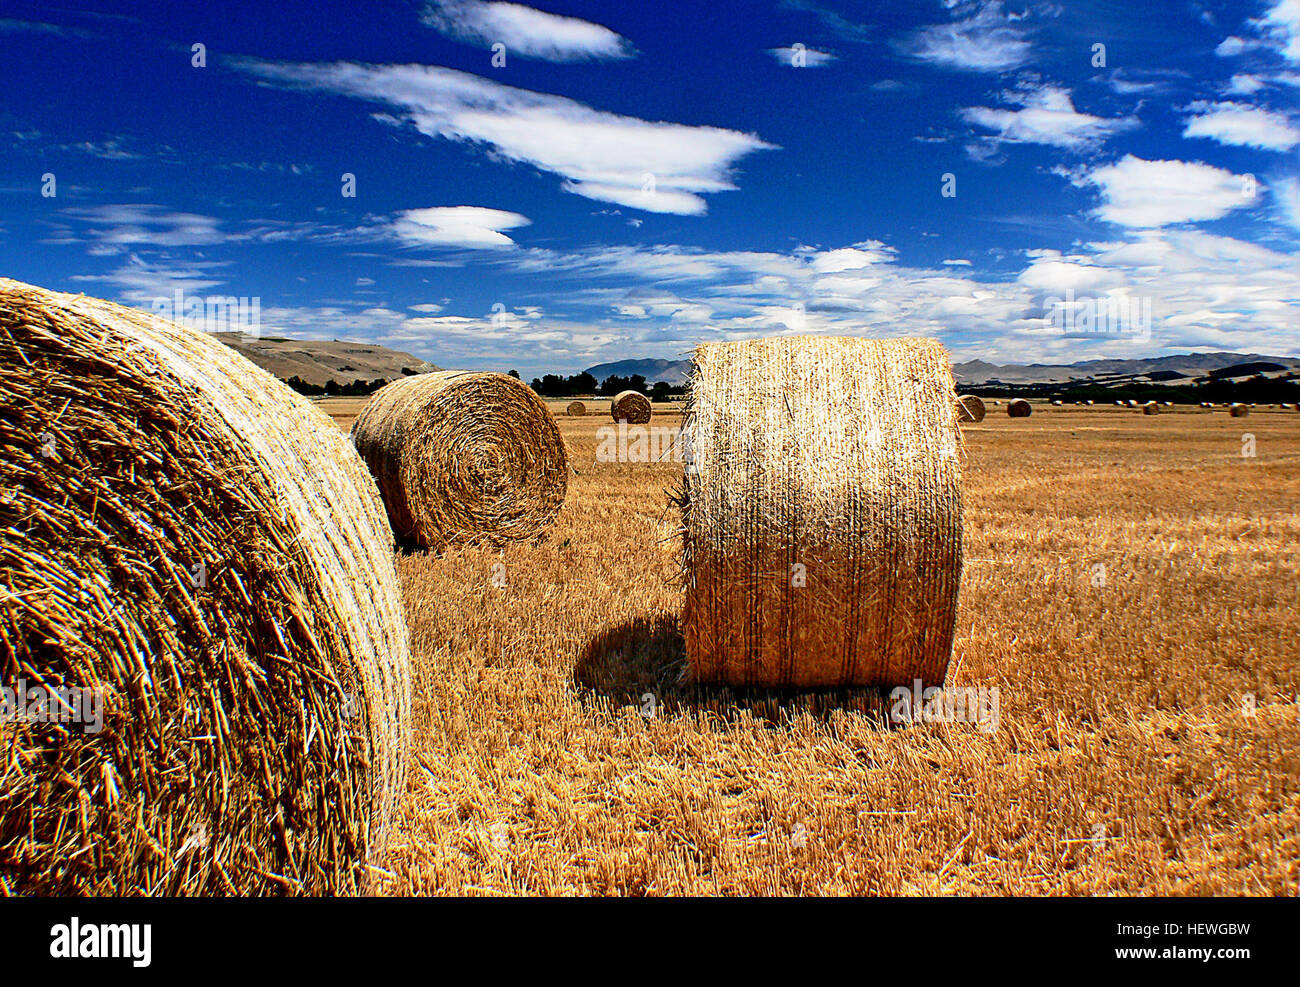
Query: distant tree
(613, 384)
(514, 374)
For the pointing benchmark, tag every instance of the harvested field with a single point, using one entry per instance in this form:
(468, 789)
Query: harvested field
(1129, 588)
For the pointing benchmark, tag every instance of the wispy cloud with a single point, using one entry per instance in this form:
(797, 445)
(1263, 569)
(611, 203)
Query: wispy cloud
(1048, 117)
(656, 167)
(1286, 193)
(1147, 194)
(525, 31)
(983, 39)
(801, 56)
(147, 225)
(1242, 125)
(833, 20)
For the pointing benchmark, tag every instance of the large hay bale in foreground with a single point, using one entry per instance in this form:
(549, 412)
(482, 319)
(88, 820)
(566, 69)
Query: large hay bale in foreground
(463, 458)
(1019, 408)
(1151, 408)
(632, 407)
(821, 512)
(194, 550)
(1239, 411)
(576, 409)
(970, 408)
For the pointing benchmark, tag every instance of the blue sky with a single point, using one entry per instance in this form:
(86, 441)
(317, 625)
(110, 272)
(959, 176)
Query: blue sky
(554, 185)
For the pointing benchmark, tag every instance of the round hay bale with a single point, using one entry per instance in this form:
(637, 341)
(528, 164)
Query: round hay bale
(195, 550)
(576, 409)
(970, 408)
(821, 512)
(1019, 408)
(1239, 411)
(1089, 402)
(632, 407)
(1151, 408)
(463, 458)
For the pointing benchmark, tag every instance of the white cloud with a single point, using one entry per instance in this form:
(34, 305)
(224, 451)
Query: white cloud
(1233, 46)
(802, 57)
(1244, 84)
(1282, 25)
(147, 225)
(525, 31)
(956, 262)
(471, 227)
(1141, 193)
(1287, 194)
(657, 167)
(1243, 125)
(1048, 117)
(985, 40)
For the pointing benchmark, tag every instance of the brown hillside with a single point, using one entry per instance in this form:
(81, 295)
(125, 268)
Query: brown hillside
(318, 361)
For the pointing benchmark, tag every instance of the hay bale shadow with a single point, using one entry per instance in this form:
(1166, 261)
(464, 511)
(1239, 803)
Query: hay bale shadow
(626, 661)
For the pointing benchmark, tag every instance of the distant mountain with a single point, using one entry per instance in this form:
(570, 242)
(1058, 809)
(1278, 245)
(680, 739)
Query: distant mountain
(1163, 368)
(670, 371)
(318, 361)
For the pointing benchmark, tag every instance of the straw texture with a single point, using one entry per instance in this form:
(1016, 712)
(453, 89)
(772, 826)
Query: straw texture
(632, 407)
(1151, 408)
(576, 409)
(1019, 408)
(821, 512)
(183, 532)
(463, 457)
(970, 408)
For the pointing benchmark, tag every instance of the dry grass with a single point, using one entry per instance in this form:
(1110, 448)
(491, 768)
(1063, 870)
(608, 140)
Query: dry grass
(1122, 708)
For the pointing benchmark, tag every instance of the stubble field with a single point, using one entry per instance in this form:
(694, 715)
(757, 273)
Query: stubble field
(1130, 589)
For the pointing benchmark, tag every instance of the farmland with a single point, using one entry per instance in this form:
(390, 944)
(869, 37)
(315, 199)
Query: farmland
(1130, 589)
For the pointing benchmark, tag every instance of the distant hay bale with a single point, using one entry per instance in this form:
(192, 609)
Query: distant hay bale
(1089, 402)
(970, 408)
(1151, 408)
(1239, 411)
(1057, 403)
(821, 512)
(195, 550)
(632, 407)
(463, 458)
(576, 409)
(1019, 408)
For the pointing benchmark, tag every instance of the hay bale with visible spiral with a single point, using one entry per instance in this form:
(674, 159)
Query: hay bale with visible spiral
(576, 409)
(1239, 411)
(821, 512)
(970, 408)
(194, 550)
(463, 458)
(632, 407)
(1019, 408)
